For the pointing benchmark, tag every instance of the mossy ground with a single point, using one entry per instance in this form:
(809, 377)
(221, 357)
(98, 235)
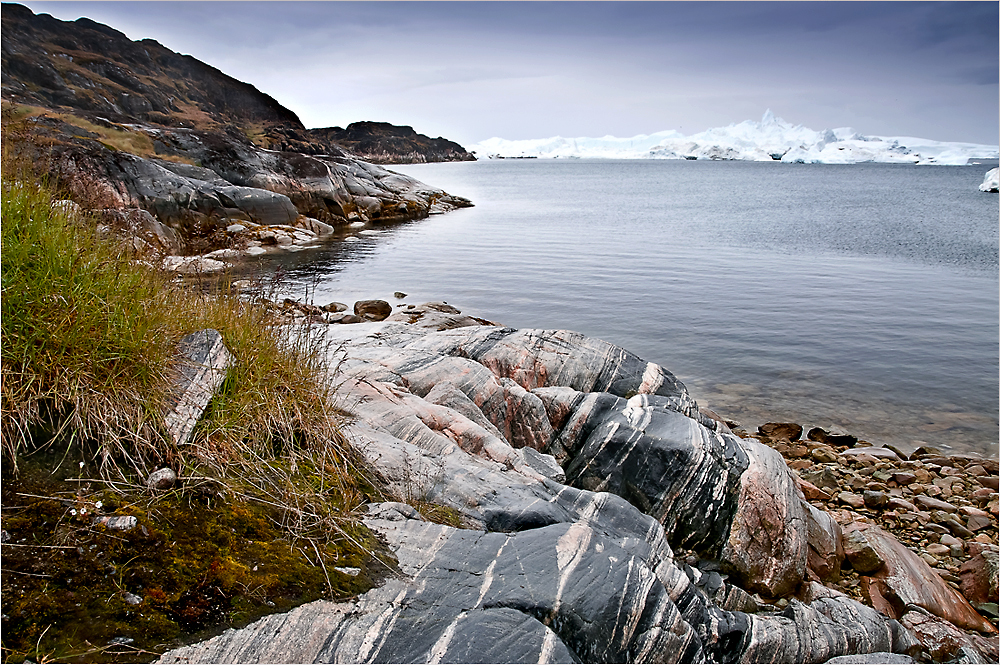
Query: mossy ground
(200, 559)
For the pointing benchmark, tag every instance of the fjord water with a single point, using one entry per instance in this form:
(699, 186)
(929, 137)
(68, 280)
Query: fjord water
(862, 298)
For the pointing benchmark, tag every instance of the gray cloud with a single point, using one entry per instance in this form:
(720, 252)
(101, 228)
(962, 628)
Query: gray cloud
(469, 71)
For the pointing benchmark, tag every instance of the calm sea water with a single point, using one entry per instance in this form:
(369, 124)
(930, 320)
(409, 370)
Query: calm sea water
(862, 298)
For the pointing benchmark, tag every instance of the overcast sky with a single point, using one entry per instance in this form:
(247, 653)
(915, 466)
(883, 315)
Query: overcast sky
(470, 71)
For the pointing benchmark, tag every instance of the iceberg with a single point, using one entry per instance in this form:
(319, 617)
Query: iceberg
(991, 183)
(771, 139)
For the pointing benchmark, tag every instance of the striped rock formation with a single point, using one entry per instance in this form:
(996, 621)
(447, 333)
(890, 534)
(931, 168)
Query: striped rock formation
(577, 469)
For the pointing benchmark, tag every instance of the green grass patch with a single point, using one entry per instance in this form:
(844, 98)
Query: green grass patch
(267, 503)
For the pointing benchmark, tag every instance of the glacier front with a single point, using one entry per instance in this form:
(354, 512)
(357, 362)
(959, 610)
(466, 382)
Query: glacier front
(771, 139)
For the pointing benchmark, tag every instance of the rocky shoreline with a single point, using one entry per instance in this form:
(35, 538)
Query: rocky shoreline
(607, 518)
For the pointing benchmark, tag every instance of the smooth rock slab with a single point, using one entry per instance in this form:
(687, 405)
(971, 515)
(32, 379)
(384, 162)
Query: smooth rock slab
(204, 361)
(906, 580)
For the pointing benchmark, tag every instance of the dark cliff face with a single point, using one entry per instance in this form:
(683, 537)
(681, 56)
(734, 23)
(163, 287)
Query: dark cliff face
(382, 142)
(97, 71)
(87, 66)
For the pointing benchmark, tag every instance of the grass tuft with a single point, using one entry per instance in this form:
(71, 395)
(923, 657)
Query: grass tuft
(265, 513)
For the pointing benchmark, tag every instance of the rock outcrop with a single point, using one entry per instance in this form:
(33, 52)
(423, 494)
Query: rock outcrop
(124, 125)
(564, 562)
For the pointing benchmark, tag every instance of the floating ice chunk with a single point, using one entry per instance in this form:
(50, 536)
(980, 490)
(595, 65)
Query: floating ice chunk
(991, 183)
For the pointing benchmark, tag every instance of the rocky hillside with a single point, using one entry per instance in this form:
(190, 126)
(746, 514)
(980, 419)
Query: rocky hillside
(126, 126)
(87, 66)
(383, 143)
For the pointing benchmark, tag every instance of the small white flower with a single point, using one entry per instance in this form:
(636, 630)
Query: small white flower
(81, 465)
(98, 505)
(72, 511)
(83, 511)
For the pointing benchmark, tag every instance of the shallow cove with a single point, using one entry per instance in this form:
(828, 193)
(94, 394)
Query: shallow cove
(861, 297)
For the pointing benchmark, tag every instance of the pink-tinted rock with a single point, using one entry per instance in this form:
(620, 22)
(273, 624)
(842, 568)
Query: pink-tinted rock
(877, 453)
(898, 504)
(767, 541)
(930, 503)
(906, 579)
(781, 431)
(979, 522)
(810, 491)
(851, 499)
(979, 576)
(826, 551)
(992, 482)
(943, 640)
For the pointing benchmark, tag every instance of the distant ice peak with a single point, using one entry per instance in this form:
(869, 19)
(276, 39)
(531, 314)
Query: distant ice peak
(771, 139)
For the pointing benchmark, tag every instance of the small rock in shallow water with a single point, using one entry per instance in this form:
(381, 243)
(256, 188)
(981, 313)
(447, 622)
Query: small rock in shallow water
(398, 295)
(131, 598)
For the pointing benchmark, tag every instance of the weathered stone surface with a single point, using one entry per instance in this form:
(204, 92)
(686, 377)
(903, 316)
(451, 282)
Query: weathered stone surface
(826, 628)
(810, 491)
(118, 522)
(161, 479)
(661, 460)
(851, 499)
(204, 361)
(907, 580)
(875, 500)
(823, 454)
(781, 431)
(193, 265)
(930, 503)
(980, 576)
(560, 572)
(825, 539)
(821, 435)
(372, 310)
(768, 543)
(859, 551)
(435, 316)
(943, 640)
(877, 453)
(881, 658)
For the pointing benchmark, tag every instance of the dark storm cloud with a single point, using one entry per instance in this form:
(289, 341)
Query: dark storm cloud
(536, 69)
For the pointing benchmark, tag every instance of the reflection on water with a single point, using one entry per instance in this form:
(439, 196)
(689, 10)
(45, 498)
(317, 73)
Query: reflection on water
(861, 297)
